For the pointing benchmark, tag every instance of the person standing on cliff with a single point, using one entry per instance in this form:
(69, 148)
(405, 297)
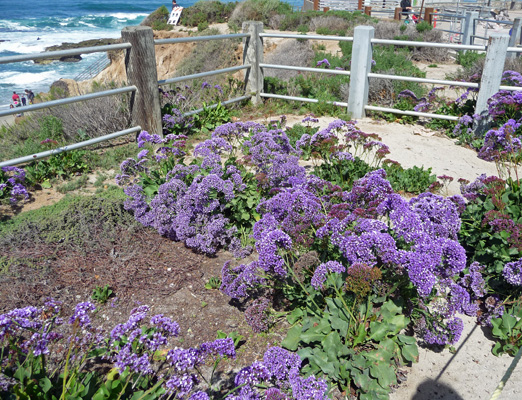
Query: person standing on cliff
(30, 95)
(15, 97)
(174, 4)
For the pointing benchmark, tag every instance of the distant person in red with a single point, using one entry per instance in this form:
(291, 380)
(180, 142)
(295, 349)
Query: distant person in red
(15, 97)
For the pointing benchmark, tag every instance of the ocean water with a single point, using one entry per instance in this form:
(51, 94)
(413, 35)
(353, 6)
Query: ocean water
(32, 25)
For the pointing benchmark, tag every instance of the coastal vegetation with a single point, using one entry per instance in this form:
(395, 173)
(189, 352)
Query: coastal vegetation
(337, 259)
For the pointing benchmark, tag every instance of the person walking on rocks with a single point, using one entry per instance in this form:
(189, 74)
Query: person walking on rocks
(30, 96)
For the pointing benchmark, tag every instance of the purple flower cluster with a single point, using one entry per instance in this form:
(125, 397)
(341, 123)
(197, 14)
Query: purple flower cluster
(501, 143)
(11, 184)
(257, 315)
(278, 374)
(30, 328)
(324, 62)
(512, 272)
(443, 334)
(322, 270)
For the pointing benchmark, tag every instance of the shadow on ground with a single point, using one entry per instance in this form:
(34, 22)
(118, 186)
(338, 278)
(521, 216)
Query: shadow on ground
(433, 390)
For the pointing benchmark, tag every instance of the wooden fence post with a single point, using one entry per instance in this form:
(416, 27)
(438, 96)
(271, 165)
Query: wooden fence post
(368, 10)
(515, 36)
(468, 29)
(360, 5)
(361, 65)
(253, 55)
(316, 5)
(428, 17)
(491, 77)
(397, 13)
(140, 65)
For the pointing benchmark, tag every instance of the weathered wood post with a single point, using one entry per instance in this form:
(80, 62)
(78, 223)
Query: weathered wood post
(428, 15)
(515, 36)
(140, 65)
(368, 11)
(491, 77)
(468, 28)
(316, 5)
(397, 13)
(360, 5)
(253, 55)
(361, 65)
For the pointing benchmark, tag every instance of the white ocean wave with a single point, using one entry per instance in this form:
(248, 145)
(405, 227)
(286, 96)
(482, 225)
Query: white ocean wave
(125, 16)
(17, 79)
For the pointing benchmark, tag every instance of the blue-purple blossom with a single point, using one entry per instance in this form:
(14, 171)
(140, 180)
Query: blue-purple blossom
(81, 314)
(512, 272)
(322, 270)
(324, 62)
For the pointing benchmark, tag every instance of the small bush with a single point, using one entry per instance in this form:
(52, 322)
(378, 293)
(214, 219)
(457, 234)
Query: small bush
(207, 11)
(329, 23)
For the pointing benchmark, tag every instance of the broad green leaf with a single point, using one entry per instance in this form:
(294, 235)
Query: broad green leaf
(389, 309)
(295, 316)
(406, 339)
(509, 321)
(293, 338)
(332, 345)
(411, 352)
(45, 384)
(384, 373)
(340, 324)
(361, 380)
(378, 330)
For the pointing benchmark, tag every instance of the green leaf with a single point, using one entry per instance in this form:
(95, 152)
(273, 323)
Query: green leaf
(410, 352)
(45, 384)
(378, 330)
(295, 316)
(339, 324)
(293, 338)
(385, 374)
(406, 339)
(332, 344)
(46, 184)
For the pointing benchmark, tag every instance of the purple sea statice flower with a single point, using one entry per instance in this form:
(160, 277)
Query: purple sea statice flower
(369, 191)
(474, 189)
(443, 334)
(310, 119)
(268, 248)
(253, 374)
(81, 314)
(183, 360)
(219, 347)
(322, 270)
(205, 85)
(280, 362)
(199, 396)
(237, 282)
(342, 156)
(324, 62)
(512, 272)
(257, 315)
(275, 394)
(309, 388)
(473, 280)
(6, 383)
(137, 315)
(408, 94)
(182, 385)
(500, 142)
(146, 137)
(165, 325)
